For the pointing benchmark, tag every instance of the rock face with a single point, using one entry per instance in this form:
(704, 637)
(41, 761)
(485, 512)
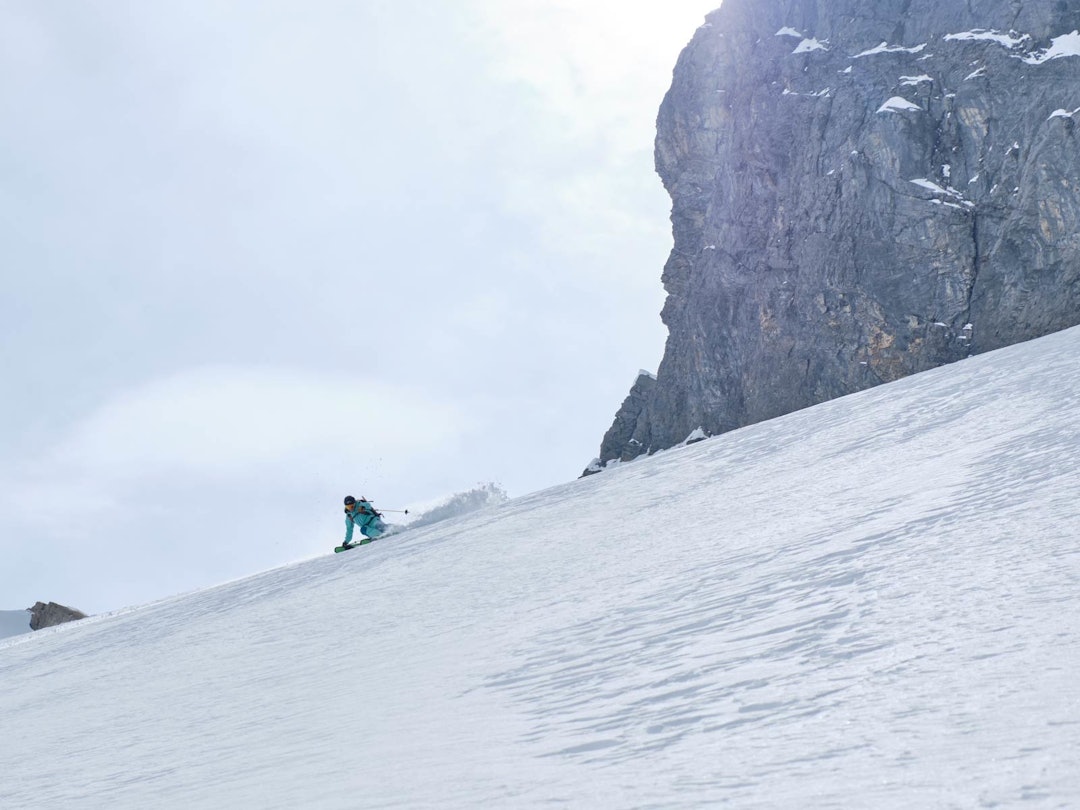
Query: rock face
(48, 615)
(619, 442)
(860, 191)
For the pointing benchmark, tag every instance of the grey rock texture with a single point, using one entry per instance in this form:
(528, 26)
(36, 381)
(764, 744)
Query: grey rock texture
(620, 441)
(860, 191)
(47, 615)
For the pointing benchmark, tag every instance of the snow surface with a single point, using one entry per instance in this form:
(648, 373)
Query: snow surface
(1065, 45)
(818, 94)
(14, 622)
(871, 603)
(482, 496)
(930, 185)
(808, 45)
(1010, 40)
(1063, 113)
(899, 104)
(696, 435)
(885, 47)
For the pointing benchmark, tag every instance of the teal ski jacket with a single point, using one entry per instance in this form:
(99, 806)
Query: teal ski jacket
(364, 517)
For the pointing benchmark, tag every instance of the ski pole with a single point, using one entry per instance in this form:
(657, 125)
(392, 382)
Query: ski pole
(399, 511)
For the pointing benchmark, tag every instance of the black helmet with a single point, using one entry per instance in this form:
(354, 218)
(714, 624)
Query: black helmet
(349, 500)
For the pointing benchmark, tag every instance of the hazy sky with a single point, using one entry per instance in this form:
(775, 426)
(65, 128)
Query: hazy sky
(258, 255)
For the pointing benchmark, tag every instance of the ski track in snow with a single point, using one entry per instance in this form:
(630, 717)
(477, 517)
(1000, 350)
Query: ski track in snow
(870, 603)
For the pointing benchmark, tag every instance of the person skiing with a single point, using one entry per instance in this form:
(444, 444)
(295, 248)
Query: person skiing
(363, 514)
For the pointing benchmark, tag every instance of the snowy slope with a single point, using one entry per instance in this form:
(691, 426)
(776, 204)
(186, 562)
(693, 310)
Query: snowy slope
(871, 603)
(14, 622)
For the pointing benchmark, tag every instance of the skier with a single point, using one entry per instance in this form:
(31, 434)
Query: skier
(362, 513)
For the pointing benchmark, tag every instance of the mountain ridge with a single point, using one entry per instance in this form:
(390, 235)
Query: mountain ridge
(858, 194)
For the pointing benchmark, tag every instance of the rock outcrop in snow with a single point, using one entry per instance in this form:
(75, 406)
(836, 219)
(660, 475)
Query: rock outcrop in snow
(901, 197)
(619, 442)
(50, 614)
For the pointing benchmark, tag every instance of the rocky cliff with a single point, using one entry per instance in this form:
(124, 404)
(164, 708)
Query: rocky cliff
(860, 191)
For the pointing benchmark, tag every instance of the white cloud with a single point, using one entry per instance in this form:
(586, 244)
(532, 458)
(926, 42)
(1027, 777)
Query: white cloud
(585, 58)
(227, 424)
(221, 419)
(596, 72)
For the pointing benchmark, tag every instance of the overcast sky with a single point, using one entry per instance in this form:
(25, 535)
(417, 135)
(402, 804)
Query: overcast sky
(259, 255)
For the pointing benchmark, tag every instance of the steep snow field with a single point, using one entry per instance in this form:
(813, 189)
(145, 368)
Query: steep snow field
(871, 603)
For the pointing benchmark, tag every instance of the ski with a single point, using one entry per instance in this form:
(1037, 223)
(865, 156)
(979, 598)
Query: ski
(364, 542)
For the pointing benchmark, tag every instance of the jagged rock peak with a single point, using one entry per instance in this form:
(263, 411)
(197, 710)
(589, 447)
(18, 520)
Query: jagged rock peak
(860, 191)
(624, 439)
